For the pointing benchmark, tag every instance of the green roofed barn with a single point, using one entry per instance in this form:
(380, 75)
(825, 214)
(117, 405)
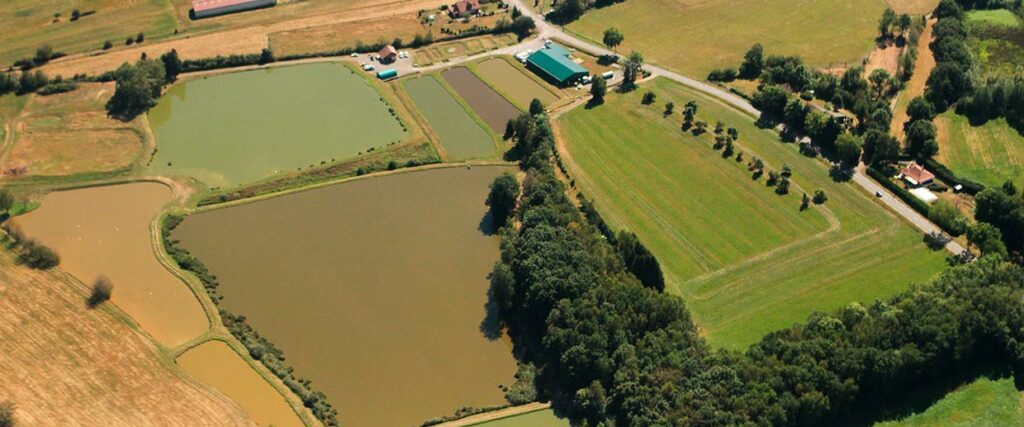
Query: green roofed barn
(553, 63)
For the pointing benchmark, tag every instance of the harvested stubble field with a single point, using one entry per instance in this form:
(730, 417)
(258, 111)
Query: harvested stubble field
(70, 133)
(990, 153)
(346, 34)
(65, 364)
(696, 36)
(511, 81)
(488, 104)
(745, 264)
(29, 24)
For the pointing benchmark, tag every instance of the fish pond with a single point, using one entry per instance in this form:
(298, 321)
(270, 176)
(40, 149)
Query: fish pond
(106, 231)
(236, 128)
(461, 136)
(488, 104)
(374, 289)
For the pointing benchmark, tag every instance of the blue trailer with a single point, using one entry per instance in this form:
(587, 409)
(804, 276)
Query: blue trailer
(387, 74)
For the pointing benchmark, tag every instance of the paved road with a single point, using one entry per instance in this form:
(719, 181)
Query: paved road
(548, 30)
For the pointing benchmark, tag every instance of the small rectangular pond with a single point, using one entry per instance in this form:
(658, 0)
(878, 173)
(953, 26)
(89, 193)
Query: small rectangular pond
(374, 289)
(488, 104)
(461, 136)
(237, 128)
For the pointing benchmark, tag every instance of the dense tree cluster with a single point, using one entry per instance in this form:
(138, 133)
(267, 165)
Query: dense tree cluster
(138, 88)
(610, 350)
(1003, 207)
(950, 79)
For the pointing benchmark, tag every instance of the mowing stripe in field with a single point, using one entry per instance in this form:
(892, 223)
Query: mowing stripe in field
(461, 136)
(768, 265)
(488, 104)
(990, 153)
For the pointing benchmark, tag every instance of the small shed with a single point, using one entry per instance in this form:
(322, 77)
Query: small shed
(387, 74)
(387, 54)
(916, 175)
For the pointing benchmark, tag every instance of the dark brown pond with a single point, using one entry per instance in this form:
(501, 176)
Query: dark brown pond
(374, 289)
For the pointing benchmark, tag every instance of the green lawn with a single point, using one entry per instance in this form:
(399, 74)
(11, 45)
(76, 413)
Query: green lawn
(985, 402)
(696, 36)
(29, 24)
(995, 16)
(542, 418)
(746, 260)
(990, 154)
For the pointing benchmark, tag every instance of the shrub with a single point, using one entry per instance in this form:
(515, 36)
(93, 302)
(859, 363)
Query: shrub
(38, 256)
(819, 197)
(102, 289)
(7, 414)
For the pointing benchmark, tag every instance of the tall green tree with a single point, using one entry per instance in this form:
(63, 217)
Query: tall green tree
(172, 65)
(753, 62)
(848, 149)
(613, 38)
(598, 88)
(632, 69)
(502, 198)
(886, 23)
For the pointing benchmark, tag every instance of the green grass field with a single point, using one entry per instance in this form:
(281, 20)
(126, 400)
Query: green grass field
(1002, 17)
(745, 260)
(990, 154)
(984, 402)
(542, 418)
(29, 24)
(696, 36)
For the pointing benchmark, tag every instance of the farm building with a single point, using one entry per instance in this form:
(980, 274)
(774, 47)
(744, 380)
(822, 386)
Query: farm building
(464, 8)
(387, 54)
(208, 8)
(387, 74)
(916, 175)
(554, 64)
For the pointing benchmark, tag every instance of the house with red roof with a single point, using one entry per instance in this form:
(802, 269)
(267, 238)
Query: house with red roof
(464, 8)
(916, 175)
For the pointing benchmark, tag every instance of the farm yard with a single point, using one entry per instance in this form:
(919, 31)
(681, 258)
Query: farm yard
(760, 264)
(459, 133)
(380, 266)
(238, 128)
(446, 51)
(990, 154)
(66, 364)
(488, 104)
(105, 231)
(513, 82)
(70, 134)
(216, 364)
(695, 37)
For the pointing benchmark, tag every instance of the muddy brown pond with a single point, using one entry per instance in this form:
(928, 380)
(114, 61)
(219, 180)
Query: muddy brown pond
(374, 289)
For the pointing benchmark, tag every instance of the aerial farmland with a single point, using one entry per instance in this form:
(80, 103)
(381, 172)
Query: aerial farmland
(505, 213)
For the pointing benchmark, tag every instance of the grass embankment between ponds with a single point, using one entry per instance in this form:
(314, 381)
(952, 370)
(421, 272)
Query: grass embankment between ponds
(631, 161)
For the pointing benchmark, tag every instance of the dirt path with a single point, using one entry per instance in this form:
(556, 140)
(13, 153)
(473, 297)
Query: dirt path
(496, 415)
(915, 87)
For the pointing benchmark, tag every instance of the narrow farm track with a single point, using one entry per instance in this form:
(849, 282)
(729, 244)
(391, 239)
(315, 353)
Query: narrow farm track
(496, 415)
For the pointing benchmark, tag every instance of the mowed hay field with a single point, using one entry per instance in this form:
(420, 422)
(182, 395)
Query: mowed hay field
(990, 154)
(326, 38)
(29, 24)
(514, 83)
(983, 403)
(746, 261)
(64, 364)
(696, 36)
(70, 133)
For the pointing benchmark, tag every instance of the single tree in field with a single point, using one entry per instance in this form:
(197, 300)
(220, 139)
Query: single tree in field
(669, 107)
(690, 110)
(719, 127)
(502, 198)
(805, 202)
(700, 127)
(613, 38)
(631, 70)
(820, 197)
(7, 414)
(649, 98)
(536, 107)
(107, 44)
(140, 38)
(102, 289)
(783, 187)
(598, 88)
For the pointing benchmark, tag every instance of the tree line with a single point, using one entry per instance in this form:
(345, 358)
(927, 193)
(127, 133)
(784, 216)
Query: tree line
(610, 350)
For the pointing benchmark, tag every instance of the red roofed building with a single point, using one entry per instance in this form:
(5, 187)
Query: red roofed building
(207, 8)
(388, 54)
(916, 175)
(464, 8)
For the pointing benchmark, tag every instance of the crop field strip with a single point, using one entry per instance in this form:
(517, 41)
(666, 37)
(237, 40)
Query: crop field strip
(488, 104)
(990, 153)
(696, 36)
(748, 293)
(459, 133)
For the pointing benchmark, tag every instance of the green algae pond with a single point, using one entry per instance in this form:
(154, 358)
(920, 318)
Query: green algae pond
(375, 289)
(461, 136)
(236, 128)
